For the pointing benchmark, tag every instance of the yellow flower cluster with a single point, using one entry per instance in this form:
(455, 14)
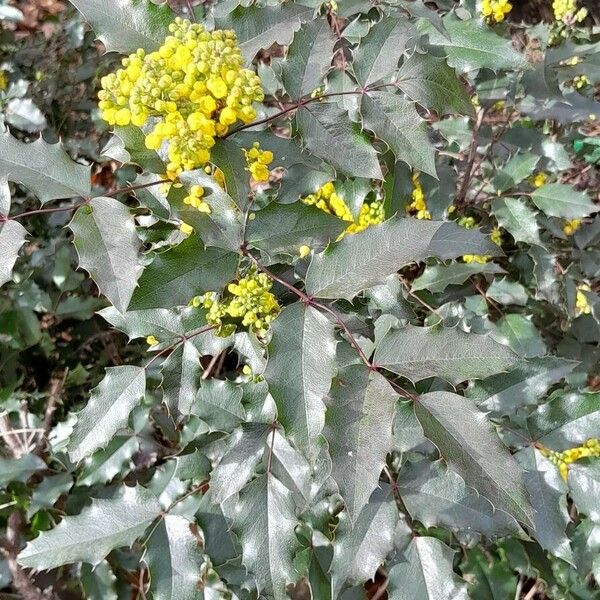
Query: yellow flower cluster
(189, 91)
(328, 200)
(591, 448)
(186, 229)
(418, 206)
(567, 12)
(570, 227)
(580, 81)
(151, 341)
(582, 306)
(3, 81)
(248, 302)
(539, 179)
(258, 162)
(495, 11)
(195, 199)
(571, 62)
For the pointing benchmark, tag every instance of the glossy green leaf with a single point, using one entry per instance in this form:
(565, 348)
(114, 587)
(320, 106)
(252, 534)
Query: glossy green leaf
(426, 574)
(174, 277)
(328, 133)
(362, 261)
(381, 49)
(514, 171)
(421, 352)
(299, 372)
(259, 27)
(395, 121)
(46, 169)
(105, 464)
(520, 334)
(560, 200)
(86, 538)
(19, 469)
(518, 219)
(437, 496)
(107, 410)
(12, 237)
(129, 24)
(470, 445)
(219, 404)
(284, 228)
(107, 245)
(359, 431)
(428, 80)
(436, 278)
(264, 521)
(584, 488)
(308, 58)
(181, 378)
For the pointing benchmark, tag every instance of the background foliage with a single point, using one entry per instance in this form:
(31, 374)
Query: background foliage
(395, 433)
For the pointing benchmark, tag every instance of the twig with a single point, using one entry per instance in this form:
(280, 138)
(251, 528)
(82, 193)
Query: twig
(181, 340)
(398, 497)
(57, 385)
(191, 11)
(211, 365)
(460, 198)
(416, 297)
(382, 589)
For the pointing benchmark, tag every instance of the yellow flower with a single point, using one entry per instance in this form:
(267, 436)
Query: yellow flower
(582, 306)
(258, 161)
(418, 206)
(191, 90)
(151, 341)
(3, 80)
(570, 227)
(304, 251)
(185, 228)
(495, 11)
(566, 11)
(539, 179)
(248, 303)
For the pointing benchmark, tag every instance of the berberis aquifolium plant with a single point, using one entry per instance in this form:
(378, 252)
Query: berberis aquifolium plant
(358, 243)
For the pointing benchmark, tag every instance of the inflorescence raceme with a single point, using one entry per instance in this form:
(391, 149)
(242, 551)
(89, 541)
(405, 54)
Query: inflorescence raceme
(328, 200)
(495, 11)
(591, 448)
(185, 94)
(248, 303)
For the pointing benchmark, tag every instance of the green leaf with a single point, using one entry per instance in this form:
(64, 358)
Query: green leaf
(46, 169)
(361, 261)
(548, 493)
(246, 448)
(473, 45)
(107, 410)
(292, 469)
(180, 273)
(428, 80)
(359, 431)
(259, 28)
(524, 384)
(107, 245)
(560, 200)
(421, 352)
(174, 558)
(328, 133)
(518, 219)
(567, 420)
(86, 537)
(308, 58)
(489, 578)
(520, 334)
(284, 228)
(99, 582)
(299, 371)
(219, 404)
(12, 237)
(437, 496)
(360, 548)
(5, 199)
(380, 50)
(48, 492)
(181, 377)
(229, 157)
(128, 144)
(129, 24)
(426, 574)
(514, 171)
(436, 278)
(470, 445)
(19, 469)
(505, 291)
(264, 520)
(396, 121)
(584, 488)
(105, 464)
